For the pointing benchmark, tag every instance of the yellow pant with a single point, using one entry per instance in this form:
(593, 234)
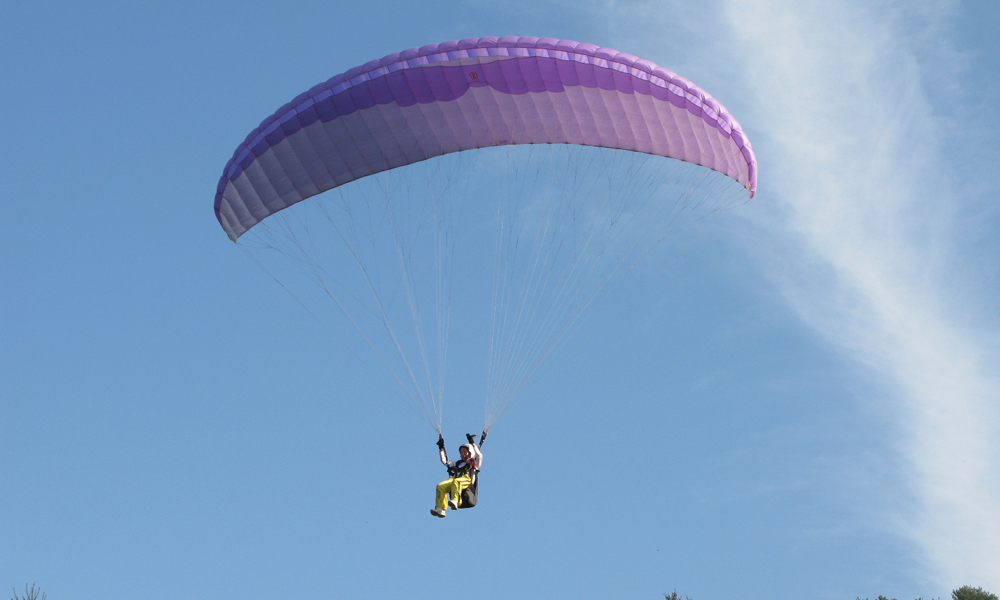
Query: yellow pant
(453, 487)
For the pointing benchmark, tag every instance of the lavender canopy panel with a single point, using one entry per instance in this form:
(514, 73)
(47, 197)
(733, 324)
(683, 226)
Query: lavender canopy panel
(474, 93)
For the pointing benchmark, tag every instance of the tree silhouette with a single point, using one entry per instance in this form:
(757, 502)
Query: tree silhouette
(967, 592)
(32, 593)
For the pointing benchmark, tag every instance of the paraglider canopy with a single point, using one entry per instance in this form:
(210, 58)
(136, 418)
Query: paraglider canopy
(474, 93)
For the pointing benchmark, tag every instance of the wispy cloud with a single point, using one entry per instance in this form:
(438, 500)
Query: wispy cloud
(853, 154)
(859, 219)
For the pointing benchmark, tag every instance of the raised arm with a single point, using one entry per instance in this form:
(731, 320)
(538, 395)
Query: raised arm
(441, 451)
(475, 449)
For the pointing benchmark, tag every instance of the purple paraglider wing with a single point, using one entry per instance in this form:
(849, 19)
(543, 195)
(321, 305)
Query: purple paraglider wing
(474, 93)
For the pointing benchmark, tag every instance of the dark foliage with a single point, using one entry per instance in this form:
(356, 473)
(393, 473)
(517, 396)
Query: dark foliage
(967, 592)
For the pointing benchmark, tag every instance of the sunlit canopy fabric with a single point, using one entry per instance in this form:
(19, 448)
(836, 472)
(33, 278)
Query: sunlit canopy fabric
(474, 93)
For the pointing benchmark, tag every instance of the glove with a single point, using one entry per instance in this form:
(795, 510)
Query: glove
(440, 442)
(471, 438)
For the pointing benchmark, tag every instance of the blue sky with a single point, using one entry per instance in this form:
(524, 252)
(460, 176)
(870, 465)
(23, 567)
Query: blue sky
(803, 404)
